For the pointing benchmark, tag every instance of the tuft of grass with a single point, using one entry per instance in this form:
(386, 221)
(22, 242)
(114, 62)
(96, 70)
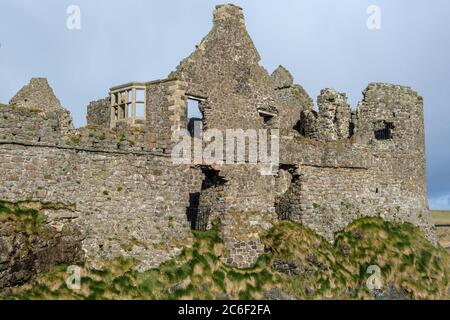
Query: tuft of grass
(27, 220)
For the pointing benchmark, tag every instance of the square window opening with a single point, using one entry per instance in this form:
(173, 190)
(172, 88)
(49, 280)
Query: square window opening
(386, 132)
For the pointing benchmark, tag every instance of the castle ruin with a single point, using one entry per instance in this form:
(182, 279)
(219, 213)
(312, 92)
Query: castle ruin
(121, 189)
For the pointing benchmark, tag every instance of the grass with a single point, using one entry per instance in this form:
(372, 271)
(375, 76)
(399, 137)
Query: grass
(198, 273)
(441, 217)
(22, 219)
(407, 260)
(322, 270)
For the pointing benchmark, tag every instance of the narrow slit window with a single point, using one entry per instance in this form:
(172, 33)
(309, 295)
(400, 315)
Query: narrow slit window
(194, 115)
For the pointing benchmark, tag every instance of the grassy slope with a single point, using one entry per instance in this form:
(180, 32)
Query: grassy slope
(324, 270)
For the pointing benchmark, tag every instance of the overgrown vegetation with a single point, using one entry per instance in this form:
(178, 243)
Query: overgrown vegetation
(303, 96)
(317, 269)
(23, 217)
(407, 260)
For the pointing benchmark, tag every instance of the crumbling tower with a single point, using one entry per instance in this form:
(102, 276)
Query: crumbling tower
(391, 121)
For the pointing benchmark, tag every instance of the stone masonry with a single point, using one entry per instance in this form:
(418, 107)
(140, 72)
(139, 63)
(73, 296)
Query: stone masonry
(129, 198)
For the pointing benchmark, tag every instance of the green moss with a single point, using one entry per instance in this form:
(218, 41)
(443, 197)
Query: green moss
(218, 278)
(75, 139)
(4, 209)
(245, 295)
(29, 221)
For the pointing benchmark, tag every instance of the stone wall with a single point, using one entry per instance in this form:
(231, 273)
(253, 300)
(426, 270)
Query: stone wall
(25, 126)
(29, 247)
(380, 171)
(128, 198)
(166, 111)
(398, 148)
(292, 99)
(243, 200)
(241, 232)
(225, 71)
(99, 113)
(37, 95)
(332, 122)
(127, 205)
(295, 149)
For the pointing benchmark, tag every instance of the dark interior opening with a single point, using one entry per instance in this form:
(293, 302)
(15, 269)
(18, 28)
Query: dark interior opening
(212, 178)
(198, 214)
(192, 124)
(351, 129)
(385, 133)
(192, 210)
(267, 119)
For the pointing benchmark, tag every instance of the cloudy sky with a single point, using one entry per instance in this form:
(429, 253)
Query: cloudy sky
(324, 43)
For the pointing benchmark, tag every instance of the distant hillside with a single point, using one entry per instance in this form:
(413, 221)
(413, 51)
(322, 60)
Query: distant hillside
(441, 217)
(298, 264)
(442, 220)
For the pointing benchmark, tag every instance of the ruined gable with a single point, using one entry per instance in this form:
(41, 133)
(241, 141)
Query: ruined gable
(35, 114)
(292, 99)
(36, 95)
(282, 78)
(225, 71)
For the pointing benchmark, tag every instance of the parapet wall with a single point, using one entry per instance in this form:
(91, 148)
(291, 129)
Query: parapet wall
(296, 149)
(99, 113)
(124, 205)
